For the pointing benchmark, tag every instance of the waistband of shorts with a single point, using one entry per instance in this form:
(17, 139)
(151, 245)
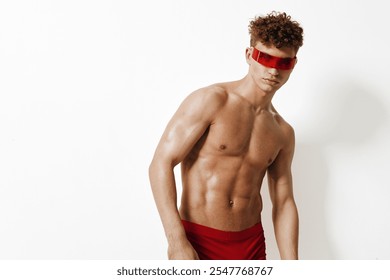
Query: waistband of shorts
(198, 229)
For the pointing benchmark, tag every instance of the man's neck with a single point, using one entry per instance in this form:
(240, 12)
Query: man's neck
(250, 91)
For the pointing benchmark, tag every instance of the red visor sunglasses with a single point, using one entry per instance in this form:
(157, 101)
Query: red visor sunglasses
(270, 61)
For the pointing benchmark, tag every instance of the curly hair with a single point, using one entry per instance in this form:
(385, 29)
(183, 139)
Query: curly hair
(276, 29)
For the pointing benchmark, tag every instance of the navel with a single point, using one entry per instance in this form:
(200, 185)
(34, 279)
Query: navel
(231, 203)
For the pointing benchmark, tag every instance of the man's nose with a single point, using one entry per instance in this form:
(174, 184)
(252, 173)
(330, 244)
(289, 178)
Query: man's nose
(273, 71)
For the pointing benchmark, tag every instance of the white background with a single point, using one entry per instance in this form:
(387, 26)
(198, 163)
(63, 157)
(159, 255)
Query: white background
(87, 87)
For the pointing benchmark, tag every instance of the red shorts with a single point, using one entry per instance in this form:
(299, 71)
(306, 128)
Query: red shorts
(214, 244)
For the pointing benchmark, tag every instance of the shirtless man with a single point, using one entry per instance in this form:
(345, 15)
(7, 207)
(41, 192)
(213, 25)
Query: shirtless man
(227, 136)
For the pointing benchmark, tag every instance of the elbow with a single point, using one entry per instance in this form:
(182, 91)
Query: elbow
(160, 166)
(153, 168)
(160, 174)
(284, 205)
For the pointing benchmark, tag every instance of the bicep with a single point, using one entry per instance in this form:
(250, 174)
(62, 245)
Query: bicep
(186, 127)
(279, 174)
(179, 137)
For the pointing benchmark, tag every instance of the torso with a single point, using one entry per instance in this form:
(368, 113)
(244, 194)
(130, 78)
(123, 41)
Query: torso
(223, 173)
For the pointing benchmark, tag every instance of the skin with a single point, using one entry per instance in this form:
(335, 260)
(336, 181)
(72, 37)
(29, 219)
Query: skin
(227, 137)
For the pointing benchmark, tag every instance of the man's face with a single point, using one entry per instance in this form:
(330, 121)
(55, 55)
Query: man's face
(270, 67)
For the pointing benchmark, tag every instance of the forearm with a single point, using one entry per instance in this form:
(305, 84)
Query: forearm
(286, 225)
(163, 185)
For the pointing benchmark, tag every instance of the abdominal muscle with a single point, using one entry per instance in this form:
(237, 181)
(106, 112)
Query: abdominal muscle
(221, 193)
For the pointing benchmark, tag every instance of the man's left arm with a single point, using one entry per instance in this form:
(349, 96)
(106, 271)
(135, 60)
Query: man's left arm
(284, 210)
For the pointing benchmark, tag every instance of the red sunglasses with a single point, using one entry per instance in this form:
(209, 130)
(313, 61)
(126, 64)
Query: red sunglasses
(270, 61)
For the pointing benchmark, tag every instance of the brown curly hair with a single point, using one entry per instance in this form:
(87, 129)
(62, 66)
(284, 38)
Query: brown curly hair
(276, 29)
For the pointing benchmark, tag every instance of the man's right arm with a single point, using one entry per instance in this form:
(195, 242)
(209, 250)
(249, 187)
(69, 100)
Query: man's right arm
(188, 124)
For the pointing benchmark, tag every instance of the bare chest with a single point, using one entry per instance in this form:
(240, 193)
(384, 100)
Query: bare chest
(256, 138)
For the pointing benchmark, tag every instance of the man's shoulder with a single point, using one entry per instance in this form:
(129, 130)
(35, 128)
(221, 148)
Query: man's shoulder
(214, 95)
(286, 128)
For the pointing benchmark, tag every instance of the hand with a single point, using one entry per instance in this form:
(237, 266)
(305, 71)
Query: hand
(182, 251)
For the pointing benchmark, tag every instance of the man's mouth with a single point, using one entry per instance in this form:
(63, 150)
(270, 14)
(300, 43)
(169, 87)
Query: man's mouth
(271, 81)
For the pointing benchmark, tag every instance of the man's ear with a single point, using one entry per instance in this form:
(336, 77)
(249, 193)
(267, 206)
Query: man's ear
(248, 53)
(296, 61)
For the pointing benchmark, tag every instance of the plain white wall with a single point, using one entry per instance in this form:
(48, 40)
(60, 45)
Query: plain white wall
(87, 87)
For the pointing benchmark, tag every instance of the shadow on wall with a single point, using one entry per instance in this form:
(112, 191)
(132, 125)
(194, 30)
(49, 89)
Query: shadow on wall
(344, 114)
